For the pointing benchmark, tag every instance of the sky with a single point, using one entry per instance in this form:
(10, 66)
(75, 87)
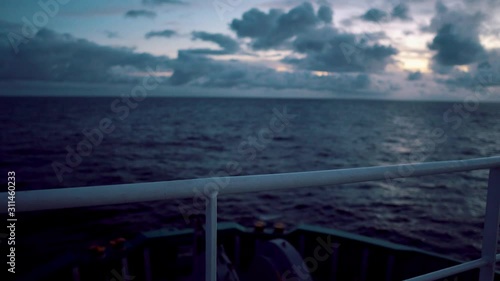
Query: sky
(393, 49)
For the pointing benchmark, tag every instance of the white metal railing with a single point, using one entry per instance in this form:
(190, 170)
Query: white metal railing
(140, 192)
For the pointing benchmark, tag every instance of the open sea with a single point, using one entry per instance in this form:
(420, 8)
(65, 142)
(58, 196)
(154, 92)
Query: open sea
(162, 139)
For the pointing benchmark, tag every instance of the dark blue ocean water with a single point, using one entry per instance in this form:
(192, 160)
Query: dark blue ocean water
(182, 138)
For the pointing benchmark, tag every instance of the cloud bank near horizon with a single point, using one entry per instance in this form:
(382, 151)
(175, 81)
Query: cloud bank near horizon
(313, 53)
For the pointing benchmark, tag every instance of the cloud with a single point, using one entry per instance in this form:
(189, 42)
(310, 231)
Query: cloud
(413, 76)
(167, 33)
(362, 81)
(485, 73)
(197, 70)
(325, 14)
(401, 11)
(375, 15)
(228, 44)
(316, 47)
(454, 49)
(162, 2)
(457, 37)
(140, 13)
(52, 56)
(273, 29)
(327, 49)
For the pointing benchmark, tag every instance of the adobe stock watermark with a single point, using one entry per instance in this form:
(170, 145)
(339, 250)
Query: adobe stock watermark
(224, 6)
(48, 9)
(121, 277)
(355, 54)
(248, 148)
(323, 251)
(454, 117)
(93, 137)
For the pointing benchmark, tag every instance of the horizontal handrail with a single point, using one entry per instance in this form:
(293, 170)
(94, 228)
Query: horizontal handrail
(449, 271)
(59, 198)
(140, 192)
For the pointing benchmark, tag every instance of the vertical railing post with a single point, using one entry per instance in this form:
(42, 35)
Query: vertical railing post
(211, 237)
(491, 221)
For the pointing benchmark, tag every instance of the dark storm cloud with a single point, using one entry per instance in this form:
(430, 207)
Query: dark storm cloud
(485, 73)
(273, 29)
(454, 49)
(375, 15)
(327, 49)
(362, 81)
(413, 76)
(325, 14)
(140, 13)
(457, 38)
(401, 11)
(188, 68)
(197, 70)
(167, 33)
(52, 56)
(440, 68)
(228, 44)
